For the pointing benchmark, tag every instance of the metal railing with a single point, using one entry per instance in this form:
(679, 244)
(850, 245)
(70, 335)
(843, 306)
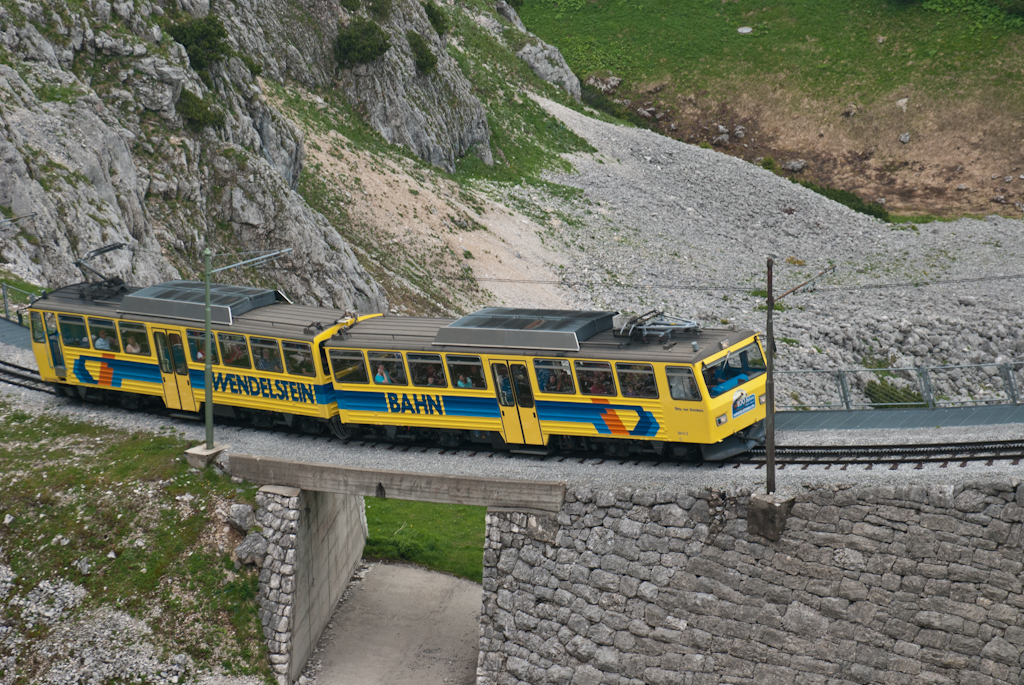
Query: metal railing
(901, 388)
(18, 307)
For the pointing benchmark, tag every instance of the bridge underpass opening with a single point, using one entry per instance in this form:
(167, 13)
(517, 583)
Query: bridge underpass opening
(324, 505)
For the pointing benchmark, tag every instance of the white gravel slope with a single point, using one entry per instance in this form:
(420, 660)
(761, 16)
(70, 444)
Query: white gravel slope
(667, 225)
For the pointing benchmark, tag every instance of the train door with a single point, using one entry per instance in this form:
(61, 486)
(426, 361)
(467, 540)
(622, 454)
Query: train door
(170, 351)
(45, 335)
(53, 338)
(515, 396)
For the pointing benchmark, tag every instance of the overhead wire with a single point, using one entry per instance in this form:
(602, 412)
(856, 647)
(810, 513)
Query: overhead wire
(736, 288)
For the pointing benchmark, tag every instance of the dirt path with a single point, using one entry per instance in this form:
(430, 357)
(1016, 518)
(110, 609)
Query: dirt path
(961, 157)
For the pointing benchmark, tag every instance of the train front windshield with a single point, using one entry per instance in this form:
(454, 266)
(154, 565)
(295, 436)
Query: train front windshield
(733, 370)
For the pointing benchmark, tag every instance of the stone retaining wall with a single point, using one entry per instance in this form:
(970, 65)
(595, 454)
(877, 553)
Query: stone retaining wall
(315, 541)
(892, 585)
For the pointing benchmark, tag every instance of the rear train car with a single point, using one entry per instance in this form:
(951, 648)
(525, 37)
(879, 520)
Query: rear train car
(147, 345)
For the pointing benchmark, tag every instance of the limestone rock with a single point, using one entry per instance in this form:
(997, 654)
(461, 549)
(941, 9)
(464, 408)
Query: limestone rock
(546, 60)
(547, 63)
(435, 115)
(606, 84)
(506, 10)
(241, 517)
(252, 549)
(92, 172)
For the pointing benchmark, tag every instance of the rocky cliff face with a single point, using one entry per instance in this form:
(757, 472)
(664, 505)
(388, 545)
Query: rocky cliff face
(435, 115)
(93, 147)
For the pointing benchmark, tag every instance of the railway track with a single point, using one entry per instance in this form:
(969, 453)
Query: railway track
(890, 456)
(23, 377)
(786, 456)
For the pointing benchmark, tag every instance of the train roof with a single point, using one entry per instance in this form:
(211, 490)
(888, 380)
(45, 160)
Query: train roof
(508, 331)
(253, 311)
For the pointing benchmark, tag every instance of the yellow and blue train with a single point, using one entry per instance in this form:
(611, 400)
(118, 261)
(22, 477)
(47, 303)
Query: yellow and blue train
(519, 378)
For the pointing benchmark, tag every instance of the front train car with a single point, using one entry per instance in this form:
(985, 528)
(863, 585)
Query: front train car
(532, 379)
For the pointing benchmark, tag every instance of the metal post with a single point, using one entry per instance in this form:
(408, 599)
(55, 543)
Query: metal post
(1009, 382)
(208, 346)
(844, 389)
(769, 419)
(7, 313)
(926, 387)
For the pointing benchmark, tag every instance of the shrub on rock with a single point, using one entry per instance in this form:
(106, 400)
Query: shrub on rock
(197, 113)
(205, 40)
(360, 42)
(422, 55)
(380, 8)
(438, 19)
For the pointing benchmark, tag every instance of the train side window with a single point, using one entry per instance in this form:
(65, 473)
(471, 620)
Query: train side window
(267, 353)
(553, 375)
(595, 378)
(467, 372)
(163, 353)
(298, 359)
(349, 366)
(134, 338)
(38, 332)
(73, 332)
(427, 370)
(234, 350)
(521, 380)
(104, 335)
(387, 368)
(197, 346)
(637, 380)
(682, 384)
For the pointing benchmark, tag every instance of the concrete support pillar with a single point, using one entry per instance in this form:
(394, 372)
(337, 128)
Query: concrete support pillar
(315, 541)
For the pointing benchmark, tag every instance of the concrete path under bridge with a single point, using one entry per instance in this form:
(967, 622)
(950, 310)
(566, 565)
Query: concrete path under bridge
(402, 625)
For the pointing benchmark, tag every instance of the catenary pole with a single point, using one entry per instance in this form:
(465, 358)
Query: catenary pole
(208, 369)
(207, 346)
(769, 419)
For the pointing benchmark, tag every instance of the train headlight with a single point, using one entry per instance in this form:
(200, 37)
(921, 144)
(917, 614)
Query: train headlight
(762, 398)
(722, 419)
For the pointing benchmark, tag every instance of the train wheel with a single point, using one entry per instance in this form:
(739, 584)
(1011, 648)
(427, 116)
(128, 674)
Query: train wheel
(342, 431)
(310, 425)
(615, 449)
(450, 438)
(130, 401)
(262, 419)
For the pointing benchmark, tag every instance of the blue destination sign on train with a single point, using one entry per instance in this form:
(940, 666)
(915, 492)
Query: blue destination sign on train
(419, 404)
(264, 387)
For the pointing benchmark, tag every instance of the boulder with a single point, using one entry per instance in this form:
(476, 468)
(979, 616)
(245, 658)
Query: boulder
(547, 63)
(241, 517)
(605, 84)
(252, 549)
(794, 165)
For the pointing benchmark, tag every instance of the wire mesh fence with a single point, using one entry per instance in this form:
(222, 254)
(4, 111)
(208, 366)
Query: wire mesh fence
(901, 388)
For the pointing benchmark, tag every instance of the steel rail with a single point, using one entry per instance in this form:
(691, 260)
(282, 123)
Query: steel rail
(14, 374)
(892, 455)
